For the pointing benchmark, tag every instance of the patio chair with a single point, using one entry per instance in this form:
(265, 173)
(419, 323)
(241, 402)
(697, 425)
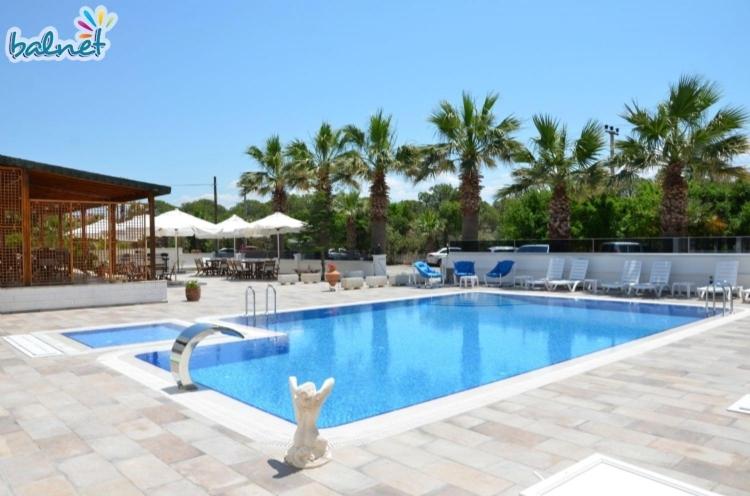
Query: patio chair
(658, 280)
(578, 269)
(461, 269)
(725, 273)
(555, 270)
(502, 269)
(631, 274)
(429, 275)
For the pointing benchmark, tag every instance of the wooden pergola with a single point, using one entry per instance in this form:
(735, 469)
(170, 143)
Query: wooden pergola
(63, 226)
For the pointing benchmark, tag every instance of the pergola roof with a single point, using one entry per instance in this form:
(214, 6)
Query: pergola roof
(53, 182)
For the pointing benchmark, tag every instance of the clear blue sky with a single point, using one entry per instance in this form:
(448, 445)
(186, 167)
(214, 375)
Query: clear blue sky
(188, 85)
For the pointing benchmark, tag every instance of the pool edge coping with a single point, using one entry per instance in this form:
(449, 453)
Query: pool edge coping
(267, 428)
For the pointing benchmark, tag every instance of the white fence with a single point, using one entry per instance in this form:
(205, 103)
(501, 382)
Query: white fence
(686, 267)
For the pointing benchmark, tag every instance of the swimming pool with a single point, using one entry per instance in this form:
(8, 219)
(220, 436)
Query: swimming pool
(125, 335)
(391, 355)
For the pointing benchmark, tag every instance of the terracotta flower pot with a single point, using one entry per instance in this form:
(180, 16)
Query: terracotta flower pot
(193, 294)
(332, 276)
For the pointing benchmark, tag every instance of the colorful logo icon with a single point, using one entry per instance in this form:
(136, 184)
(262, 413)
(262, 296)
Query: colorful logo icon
(90, 43)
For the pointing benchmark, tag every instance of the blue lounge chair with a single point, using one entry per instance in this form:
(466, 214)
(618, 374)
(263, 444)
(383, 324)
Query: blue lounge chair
(502, 269)
(428, 274)
(462, 268)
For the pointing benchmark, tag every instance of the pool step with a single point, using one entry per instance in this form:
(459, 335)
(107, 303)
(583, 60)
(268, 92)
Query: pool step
(32, 345)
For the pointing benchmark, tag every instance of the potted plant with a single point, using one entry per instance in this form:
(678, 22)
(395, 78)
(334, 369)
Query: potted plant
(333, 276)
(192, 290)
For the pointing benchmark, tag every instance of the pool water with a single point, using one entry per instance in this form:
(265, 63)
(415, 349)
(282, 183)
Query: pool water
(116, 336)
(391, 355)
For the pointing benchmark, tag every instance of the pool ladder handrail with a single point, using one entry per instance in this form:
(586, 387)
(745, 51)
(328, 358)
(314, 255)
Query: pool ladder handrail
(247, 293)
(270, 287)
(727, 292)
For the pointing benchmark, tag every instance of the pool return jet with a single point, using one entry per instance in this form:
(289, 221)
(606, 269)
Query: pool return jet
(182, 350)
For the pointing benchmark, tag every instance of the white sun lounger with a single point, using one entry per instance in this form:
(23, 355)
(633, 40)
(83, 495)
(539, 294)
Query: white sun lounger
(600, 475)
(578, 269)
(631, 274)
(658, 280)
(725, 272)
(555, 270)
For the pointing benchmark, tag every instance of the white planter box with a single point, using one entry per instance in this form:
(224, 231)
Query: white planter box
(376, 281)
(287, 279)
(308, 277)
(35, 298)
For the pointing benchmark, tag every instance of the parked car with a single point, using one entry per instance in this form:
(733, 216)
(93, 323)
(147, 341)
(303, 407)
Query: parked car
(343, 254)
(621, 247)
(533, 249)
(501, 249)
(436, 257)
(225, 253)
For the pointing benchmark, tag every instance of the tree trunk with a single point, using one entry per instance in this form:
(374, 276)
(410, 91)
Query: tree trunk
(278, 200)
(469, 191)
(378, 211)
(324, 218)
(351, 233)
(674, 201)
(559, 213)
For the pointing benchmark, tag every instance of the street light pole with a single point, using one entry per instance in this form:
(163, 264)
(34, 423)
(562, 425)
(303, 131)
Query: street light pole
(612, 131)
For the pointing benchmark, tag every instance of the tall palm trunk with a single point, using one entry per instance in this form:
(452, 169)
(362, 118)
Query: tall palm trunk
(351, 233)
(471, 200)
(559, 213)
(674, 201)
(324, 217)
(278, 200)
(378, 211)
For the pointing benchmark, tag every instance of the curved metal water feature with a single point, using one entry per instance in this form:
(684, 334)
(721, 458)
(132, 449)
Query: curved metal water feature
(182, 350)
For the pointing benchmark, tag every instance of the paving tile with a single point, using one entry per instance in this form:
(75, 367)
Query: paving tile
(190, 430)
(247, 490)
(88, 470)
(23, 469)
(115, 487)
(467, 478)
(51, 486)
(178, 488)
(340, 478)
(311, 489)
(169, 448)
(462, 454)
(147, 471)
(456, 434)
(43, 427)
(63, 446)
(140, 429)
(226, 450)
(353, 456)
(209, 473)
(271, 474)
(116, 447)
(405, 479)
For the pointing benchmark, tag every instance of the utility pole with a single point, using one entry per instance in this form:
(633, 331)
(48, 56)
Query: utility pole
(612, 131)
(216, 213)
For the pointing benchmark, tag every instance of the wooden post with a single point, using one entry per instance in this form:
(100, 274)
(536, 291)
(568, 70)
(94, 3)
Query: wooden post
(26, 227)
(152, 236)
(112, 237)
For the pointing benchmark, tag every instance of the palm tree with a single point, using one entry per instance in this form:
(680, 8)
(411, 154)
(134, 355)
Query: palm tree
(470, 139)
(430, 225)
(377, 156)
(322, 164)
(556, 163)
(680, 138)
(350, 206)
(276, 177)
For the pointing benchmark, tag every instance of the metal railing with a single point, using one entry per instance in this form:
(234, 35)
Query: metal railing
(727, 293)
(685, 244)
(247, 293)
(268, 289)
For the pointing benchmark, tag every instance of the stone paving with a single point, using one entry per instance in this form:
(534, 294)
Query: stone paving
(71, 426)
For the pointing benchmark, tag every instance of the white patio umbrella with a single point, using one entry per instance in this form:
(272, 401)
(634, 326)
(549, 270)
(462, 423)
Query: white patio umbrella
(234, 227)
(276, 223)
(179, 224)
